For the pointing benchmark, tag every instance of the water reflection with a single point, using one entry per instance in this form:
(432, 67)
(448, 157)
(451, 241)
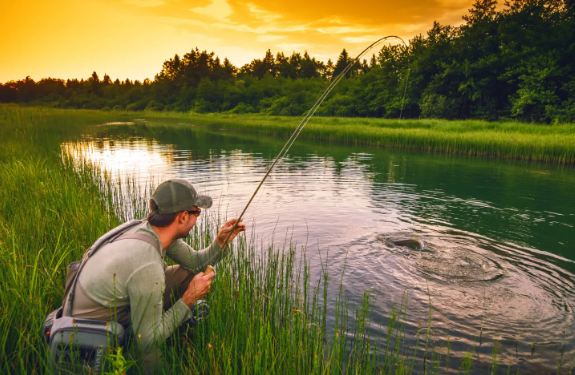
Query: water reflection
(497, 263)
(140, 159)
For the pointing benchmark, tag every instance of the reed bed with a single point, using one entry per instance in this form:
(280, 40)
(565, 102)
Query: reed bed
(506, 140)
(553, 143)
(266, 316)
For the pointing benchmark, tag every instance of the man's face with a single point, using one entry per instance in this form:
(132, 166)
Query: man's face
(189, 219)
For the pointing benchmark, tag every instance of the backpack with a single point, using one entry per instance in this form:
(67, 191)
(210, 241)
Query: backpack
(82, 342)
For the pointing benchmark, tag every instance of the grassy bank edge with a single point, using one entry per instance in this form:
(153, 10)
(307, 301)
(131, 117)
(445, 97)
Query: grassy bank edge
(553, 144)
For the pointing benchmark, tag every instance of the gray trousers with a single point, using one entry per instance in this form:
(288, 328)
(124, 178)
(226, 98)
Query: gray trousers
(177, 281)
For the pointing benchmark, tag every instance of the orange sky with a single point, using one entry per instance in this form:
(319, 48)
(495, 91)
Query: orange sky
(132, 38)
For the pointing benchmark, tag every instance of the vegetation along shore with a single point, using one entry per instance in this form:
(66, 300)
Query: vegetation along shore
(266, 316)
(506, 140)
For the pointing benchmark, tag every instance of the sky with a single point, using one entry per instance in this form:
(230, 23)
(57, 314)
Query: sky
(132, 38)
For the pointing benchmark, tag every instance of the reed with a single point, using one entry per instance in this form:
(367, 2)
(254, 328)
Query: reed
(266, 316)
(506, 140)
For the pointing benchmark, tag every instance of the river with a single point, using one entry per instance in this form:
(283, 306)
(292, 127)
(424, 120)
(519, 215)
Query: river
(498, 262)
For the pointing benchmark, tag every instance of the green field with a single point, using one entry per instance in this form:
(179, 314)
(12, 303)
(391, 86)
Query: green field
(266, 317)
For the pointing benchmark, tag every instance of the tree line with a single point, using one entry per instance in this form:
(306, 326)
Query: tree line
(514, 63)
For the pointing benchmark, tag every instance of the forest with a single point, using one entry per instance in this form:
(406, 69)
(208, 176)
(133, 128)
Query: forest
(504, 62)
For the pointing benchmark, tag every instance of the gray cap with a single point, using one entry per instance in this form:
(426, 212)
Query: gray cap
(178, 195)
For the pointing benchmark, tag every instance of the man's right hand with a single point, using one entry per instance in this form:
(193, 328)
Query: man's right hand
(198, 288)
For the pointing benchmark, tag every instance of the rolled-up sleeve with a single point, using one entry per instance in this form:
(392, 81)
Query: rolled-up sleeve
(195, 261)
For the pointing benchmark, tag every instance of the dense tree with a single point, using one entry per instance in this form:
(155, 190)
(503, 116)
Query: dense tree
(342, 62)
(513, 62)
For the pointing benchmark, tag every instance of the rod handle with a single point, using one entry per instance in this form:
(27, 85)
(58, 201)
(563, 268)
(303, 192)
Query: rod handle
(209, 269)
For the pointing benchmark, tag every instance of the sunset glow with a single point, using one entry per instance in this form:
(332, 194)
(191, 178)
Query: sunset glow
(132, 38)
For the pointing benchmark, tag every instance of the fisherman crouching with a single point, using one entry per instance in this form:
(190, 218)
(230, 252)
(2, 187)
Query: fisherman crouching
(125, 278)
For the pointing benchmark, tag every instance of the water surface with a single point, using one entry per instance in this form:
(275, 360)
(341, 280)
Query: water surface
(498, 261)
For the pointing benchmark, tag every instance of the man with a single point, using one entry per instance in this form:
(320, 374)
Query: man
(128, 280)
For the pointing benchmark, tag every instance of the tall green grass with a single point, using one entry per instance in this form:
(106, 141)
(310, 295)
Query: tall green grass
(506, 140)
(48, 214)
(266, 316)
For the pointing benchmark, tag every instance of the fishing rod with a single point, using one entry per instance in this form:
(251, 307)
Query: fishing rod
(307, 117)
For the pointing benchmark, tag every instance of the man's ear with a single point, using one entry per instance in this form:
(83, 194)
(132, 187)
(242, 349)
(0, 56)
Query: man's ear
(180, 218)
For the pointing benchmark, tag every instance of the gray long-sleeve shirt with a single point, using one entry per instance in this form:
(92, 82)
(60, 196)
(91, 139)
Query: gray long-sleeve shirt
(127, 277)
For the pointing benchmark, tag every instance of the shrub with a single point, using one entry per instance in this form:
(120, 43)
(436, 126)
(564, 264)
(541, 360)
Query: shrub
(438, 106)
(243, 108)
(154, 106)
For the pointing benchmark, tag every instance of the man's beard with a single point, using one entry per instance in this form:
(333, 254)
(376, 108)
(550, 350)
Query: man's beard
(184, 235)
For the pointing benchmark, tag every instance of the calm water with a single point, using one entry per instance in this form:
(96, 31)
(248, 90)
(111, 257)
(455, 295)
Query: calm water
(499, 235)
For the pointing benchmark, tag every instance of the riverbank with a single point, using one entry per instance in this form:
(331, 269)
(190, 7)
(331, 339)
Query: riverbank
(505, 140)
(553, 144)
(265, 316)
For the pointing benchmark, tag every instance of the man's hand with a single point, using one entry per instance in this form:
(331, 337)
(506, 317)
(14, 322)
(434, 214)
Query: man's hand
(198, 288)
(226, 229)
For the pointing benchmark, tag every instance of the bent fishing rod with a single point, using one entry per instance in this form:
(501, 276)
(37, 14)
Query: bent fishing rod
(305, 120)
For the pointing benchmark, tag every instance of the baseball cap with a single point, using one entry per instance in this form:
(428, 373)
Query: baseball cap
(178, 195)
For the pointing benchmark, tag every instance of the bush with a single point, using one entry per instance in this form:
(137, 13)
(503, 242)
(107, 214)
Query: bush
(171, 107)
(137, 106)
(202, 106)
(340, 105)
(243, 108)
(154, 106)
(438, 106)
(285, 107)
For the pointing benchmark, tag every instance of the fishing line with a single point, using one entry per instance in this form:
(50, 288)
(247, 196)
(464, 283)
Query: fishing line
(307, 117)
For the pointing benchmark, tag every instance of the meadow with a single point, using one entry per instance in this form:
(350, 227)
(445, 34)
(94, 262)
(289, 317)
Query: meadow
(266, 316)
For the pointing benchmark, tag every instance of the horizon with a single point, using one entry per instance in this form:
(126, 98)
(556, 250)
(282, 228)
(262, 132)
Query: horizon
(132, 39)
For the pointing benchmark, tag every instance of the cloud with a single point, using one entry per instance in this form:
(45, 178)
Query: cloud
(280, 25)
(361, 13)
(257, 30)
(360, 39)
(218, 9)
(342, 29)
(267, 38)
(262, 14)
(145, 3)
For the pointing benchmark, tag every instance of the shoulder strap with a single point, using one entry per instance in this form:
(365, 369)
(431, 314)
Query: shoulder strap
(111, 235)
(142, 237)
(115, 234)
